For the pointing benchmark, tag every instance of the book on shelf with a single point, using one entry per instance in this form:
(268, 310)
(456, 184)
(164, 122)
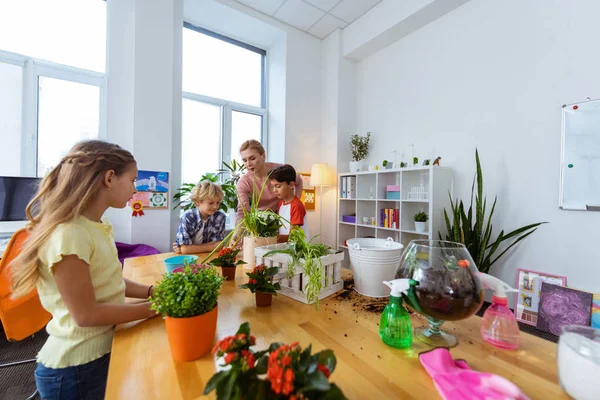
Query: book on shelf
(390, 218)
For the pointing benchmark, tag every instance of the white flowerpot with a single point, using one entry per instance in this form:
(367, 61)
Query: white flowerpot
(420, 226)
(250, 243)
(356, 166)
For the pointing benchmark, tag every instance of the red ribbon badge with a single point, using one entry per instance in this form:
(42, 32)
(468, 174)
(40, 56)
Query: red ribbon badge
(137, 207)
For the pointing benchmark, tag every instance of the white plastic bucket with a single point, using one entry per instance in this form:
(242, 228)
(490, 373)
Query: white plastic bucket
(373, 261)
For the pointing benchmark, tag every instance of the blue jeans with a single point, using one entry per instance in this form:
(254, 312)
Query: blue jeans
(86, 381)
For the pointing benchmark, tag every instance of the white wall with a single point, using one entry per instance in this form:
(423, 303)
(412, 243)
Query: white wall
(144, 92)
(493, 75)
(144, 103)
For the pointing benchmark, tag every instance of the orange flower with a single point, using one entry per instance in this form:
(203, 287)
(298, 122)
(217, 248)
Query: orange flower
(324, 370)
(288, 382)
(286, 360)
(464, 263)
(229, 357)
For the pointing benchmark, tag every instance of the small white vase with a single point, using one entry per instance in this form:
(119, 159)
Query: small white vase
(356, 166)
(248, 248)
(420, 226)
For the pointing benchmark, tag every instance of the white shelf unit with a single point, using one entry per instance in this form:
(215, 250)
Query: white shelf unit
(371, 191)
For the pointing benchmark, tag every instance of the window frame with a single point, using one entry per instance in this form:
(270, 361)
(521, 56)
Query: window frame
(33, 69)
(228, 107)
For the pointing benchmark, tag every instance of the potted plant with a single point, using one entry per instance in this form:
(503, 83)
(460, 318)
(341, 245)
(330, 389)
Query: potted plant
(420, 221)
(260, 226)
(473, 226)
(229, 186)
(387, 164)
(302, 250)
(226, 260)
(359, 146)
(280, 372)
(188, 302)
(260, 282)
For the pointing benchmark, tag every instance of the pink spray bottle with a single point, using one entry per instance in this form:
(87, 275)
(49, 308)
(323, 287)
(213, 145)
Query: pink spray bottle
(499, 326)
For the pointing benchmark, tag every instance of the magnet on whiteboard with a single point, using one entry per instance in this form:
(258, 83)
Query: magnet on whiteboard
(570, 165)
(575, 107)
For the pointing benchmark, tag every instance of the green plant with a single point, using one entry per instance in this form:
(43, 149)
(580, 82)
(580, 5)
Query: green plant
(299, 250)
(421, 216)
(359, 146)
(261, 280)
(475, 231)
(415, 160)
(384, 163)
(229, 186)
(402, 164)
(194, 291)
(226, 258)
(260, 223)
(290, 372)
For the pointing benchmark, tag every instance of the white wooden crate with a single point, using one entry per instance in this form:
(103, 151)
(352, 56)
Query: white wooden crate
(294, 287)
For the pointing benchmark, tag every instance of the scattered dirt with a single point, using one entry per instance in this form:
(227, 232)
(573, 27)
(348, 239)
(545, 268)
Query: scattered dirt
(358, 301)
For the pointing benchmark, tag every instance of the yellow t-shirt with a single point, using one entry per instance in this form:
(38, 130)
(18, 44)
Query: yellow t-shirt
(93, 242)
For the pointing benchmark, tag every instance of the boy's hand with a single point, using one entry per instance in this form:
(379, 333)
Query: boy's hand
(176, 249)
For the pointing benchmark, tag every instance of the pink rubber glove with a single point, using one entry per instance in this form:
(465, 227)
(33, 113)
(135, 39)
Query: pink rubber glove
(455, 380)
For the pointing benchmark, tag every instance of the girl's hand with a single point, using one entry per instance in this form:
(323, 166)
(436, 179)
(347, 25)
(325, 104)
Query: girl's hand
(151, 313)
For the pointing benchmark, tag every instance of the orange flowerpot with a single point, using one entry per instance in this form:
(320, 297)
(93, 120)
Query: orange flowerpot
(263, 299)
(192, 338)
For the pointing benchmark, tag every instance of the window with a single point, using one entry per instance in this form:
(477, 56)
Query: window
(52, 81)
(224, 100)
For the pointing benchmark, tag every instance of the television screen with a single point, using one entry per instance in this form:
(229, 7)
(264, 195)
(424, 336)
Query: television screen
(15, 194)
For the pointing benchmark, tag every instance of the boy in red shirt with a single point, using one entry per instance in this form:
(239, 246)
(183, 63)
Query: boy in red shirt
(290, 208)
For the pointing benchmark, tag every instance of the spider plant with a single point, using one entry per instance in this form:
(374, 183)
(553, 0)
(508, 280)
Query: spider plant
(476, 234)
(301, 249)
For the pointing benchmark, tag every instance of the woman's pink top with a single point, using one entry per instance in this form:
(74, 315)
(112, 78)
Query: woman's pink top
(268, 200)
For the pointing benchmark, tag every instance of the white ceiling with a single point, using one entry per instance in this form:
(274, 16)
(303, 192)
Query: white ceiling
(316, 17)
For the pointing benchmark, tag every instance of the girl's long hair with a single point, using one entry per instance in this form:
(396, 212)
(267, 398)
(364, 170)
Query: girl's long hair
(64, 194)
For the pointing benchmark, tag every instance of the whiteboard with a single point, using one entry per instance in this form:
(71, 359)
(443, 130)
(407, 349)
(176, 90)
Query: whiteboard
(580, 157)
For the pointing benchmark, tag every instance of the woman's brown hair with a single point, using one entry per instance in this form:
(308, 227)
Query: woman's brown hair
(253, 145)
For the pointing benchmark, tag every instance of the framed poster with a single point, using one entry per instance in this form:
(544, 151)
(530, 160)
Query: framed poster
(308, 196)
(529, 286)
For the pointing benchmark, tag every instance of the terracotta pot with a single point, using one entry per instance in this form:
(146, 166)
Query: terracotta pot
(192, 338)
(228, 273)
(248, 249)
(263, 299)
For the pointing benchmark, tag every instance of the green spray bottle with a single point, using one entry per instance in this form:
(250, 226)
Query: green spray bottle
(395, 328)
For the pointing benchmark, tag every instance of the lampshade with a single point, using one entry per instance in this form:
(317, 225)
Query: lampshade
(320, 176)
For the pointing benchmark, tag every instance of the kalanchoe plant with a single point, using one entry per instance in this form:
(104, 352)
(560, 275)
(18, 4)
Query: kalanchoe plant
(226, 258)
(421, 216)
(359, 146)
(261, 280)
(194, 291)
(291, 372)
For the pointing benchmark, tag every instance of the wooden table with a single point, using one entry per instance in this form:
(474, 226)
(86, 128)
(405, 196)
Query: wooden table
(141, 366)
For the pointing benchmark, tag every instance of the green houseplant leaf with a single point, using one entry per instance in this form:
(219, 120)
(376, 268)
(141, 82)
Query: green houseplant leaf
(194, 291)
(476, 231)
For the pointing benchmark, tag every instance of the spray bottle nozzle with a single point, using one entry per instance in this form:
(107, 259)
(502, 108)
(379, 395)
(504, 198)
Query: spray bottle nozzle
(399, 286)
(500, 287)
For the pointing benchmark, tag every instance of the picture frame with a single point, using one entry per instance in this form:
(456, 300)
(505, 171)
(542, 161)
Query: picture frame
(561, 306)
(308, 197)
(529, 287)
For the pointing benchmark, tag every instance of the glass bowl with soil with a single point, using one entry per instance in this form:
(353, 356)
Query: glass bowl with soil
(448, 287)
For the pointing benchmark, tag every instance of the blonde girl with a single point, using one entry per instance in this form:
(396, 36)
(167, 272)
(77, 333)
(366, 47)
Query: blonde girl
(71, 258)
